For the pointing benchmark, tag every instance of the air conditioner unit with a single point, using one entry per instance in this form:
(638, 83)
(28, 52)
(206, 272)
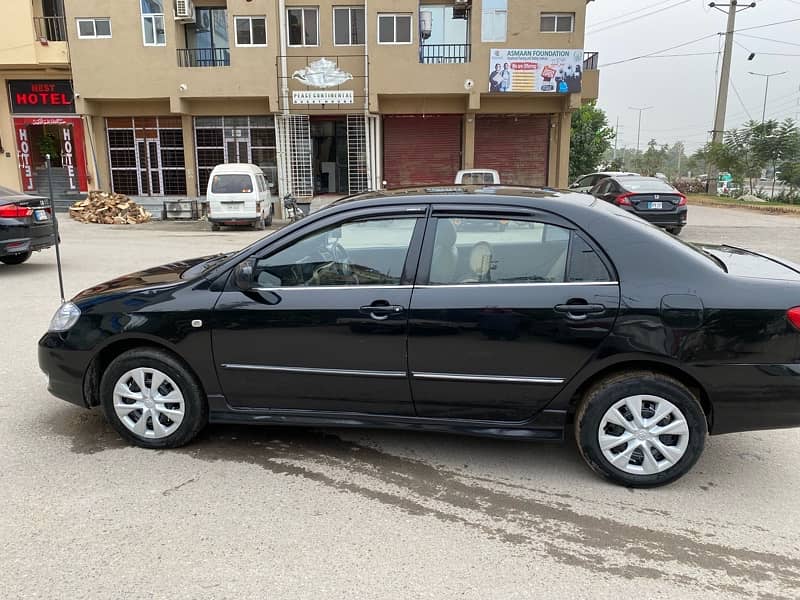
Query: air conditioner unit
(184, 10)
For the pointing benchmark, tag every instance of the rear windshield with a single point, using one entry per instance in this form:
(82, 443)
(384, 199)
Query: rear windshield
(646, 185)
(232, 184)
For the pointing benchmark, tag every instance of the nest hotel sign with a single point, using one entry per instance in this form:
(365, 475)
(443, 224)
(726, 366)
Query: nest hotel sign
(45, 122)
(322, 74)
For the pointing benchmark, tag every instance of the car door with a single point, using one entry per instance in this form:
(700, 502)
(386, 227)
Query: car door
(506, 310)
(325, 326)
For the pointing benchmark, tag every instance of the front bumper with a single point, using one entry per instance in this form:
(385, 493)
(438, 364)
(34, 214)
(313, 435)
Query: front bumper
(64, 368)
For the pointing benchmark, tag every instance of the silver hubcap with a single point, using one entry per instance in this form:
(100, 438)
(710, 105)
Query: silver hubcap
(149, 403)
(643, 434)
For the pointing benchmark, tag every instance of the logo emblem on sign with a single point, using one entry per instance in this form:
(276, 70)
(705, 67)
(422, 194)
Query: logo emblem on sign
(322, 73)
(656, 196)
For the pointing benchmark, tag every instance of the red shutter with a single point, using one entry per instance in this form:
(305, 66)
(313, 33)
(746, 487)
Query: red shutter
(421, 150)
(514, 145)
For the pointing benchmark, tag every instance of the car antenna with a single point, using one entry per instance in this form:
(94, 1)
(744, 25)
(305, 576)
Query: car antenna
(55, 226)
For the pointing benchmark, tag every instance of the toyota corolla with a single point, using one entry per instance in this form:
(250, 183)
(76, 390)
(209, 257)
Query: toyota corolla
(379, 311)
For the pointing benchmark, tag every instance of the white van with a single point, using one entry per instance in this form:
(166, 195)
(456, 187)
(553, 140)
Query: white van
(238, 193)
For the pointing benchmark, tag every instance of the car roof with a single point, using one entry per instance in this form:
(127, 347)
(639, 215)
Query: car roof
(237, 168)
(477, 171)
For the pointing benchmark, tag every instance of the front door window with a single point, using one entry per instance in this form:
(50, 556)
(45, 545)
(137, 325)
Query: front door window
(371, 252)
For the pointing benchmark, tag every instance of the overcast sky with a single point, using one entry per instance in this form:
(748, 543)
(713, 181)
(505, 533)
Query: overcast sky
(682, 89)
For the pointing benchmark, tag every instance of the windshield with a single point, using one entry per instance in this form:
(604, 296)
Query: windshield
(233, 183)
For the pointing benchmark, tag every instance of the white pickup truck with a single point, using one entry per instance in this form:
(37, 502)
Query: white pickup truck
(477, 177)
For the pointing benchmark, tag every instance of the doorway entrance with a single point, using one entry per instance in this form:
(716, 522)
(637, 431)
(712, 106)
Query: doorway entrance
(329, 155)
(62, 139)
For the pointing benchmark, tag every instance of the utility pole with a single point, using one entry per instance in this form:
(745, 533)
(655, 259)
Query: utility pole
(639, 130)
(725, 76)
(766, 90)
(616, 137)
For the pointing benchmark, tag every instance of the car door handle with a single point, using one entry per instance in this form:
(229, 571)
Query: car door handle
(578, 312)
(381, 312)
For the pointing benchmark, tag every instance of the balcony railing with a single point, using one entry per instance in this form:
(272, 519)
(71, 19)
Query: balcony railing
(444, 54)
(52, 29)
(590, 60)
(204, 57)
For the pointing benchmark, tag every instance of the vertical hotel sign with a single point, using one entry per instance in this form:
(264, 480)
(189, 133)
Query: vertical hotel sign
(35, 103)
(545, 70)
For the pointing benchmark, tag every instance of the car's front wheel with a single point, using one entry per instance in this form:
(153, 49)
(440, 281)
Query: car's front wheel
(15, 259)
(640, 429)
(152, 399)
(675, 230)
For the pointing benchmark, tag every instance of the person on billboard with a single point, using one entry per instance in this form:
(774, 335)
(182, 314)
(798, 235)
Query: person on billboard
(506, 84)
(496, 78)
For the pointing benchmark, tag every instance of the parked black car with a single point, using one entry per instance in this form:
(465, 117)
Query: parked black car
(650, 198)
(378, 312)
(25, 226)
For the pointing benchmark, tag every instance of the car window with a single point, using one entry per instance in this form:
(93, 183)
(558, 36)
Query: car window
(368, 252)
(587, 181)
(477, 178)
(498, 251)
(232, 183)
(602, 188)
(584, 263)
(262, 186)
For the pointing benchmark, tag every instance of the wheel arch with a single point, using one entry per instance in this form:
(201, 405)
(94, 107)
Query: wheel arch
(654, 366)
(104, 357)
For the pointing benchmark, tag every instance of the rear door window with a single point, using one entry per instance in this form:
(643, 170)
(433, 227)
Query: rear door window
(584, 263)
(498, 251)
(232, 183)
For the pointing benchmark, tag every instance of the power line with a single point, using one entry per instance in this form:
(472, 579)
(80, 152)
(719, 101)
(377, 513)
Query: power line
(623, 15)
(741, 102)
(766, 39)
(766, 25)
(618, 23)
(705, 37)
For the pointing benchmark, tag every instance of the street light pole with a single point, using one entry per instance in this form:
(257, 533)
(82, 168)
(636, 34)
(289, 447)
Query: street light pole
(766, 90)
(639, 129)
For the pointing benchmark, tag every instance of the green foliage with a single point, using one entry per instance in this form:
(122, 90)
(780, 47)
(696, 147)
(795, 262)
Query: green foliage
(590, 138)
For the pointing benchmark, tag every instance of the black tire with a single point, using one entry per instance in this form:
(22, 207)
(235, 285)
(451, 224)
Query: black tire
(675, 230)
(602, 396)
(15, 259)
(214, 227)
(269, 218)
(196, 406)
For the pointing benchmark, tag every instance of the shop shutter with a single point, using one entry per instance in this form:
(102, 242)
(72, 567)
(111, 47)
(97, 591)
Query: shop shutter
(516, 146)
(421, 150)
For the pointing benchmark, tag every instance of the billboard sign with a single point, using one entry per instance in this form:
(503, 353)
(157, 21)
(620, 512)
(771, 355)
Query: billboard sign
(545, 70)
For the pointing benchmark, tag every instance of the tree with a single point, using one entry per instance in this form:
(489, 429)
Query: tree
(774, 142)
(589, 140)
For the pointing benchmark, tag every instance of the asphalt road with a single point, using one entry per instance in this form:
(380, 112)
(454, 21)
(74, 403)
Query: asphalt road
(308, 513)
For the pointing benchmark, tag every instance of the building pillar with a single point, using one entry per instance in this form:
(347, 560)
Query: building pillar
(189, 155)
(468, 149)
(562, 177)
(97, 152)
(9, 162)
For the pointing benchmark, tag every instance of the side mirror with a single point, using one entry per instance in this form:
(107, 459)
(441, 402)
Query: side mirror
(243, 274)
(573, 185)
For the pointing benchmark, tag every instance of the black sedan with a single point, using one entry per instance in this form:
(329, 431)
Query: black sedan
(650, 198)
(25, 226)
(379, 312)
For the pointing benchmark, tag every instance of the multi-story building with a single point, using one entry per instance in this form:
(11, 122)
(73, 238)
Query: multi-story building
(327, 96)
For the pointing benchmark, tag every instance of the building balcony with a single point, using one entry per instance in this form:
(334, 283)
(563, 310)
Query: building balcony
(204, 57)
(590, 81)
(445, 54)
(50, 29)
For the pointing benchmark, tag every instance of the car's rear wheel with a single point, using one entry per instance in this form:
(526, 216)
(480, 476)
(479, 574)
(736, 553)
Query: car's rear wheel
(152, 399)
(15, 259)
(214, 227)
(675, 230)
(258, 224)
(640, 429)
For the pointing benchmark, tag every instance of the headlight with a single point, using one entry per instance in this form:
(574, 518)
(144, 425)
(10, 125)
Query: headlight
(66, 316)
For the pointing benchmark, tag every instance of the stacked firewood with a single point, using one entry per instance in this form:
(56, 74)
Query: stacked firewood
(108, 208)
